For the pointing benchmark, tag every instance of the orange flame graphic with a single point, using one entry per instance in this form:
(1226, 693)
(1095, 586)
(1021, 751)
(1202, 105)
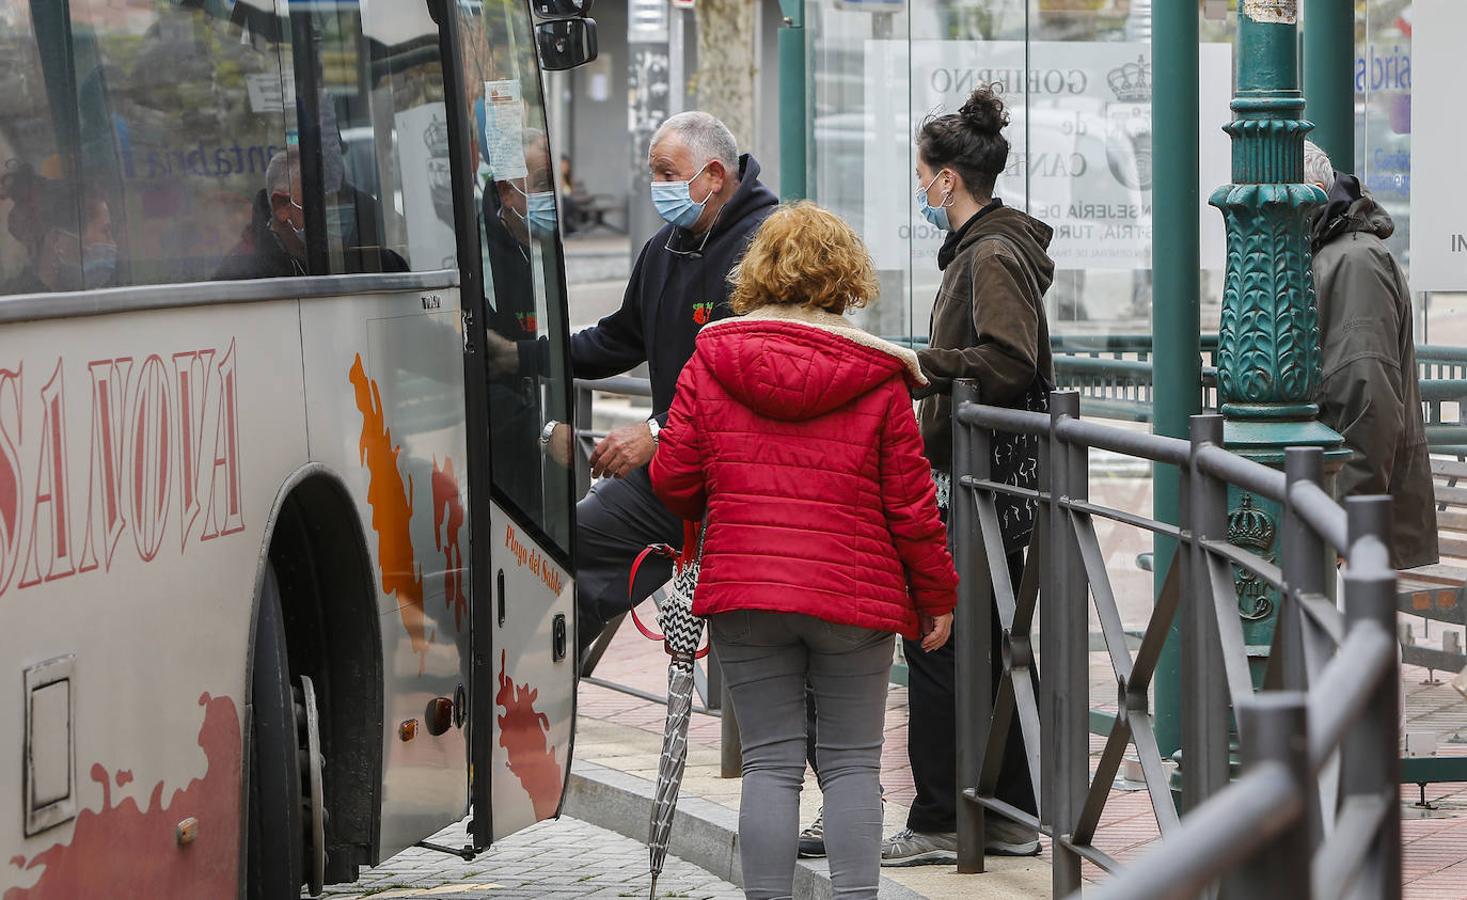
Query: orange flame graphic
(392, 510)
(448, 518)
(522, 733)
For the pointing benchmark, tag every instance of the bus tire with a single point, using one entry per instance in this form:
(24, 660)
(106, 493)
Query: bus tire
(275, 864)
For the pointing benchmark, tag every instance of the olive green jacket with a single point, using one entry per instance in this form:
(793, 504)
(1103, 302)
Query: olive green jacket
(988, 321)
(1369, 392)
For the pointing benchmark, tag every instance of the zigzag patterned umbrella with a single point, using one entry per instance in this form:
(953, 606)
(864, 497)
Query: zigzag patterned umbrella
(681, 633)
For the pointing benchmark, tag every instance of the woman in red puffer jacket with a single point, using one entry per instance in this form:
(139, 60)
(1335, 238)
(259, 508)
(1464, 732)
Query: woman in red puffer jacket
(792, 433)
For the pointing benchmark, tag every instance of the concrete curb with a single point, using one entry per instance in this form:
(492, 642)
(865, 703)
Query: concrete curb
(704, 833)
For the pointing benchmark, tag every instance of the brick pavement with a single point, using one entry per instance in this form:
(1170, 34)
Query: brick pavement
(566, 859)
(1435, 863)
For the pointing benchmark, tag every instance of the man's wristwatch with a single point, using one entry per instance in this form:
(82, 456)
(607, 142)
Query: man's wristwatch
(547, 432)
(655, 428)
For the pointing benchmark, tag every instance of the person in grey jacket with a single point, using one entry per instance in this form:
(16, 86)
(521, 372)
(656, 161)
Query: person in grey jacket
(1369, 392)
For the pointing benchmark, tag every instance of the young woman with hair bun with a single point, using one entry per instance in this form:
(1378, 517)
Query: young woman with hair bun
(988, 325)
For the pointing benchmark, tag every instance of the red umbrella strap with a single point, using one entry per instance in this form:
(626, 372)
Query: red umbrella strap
(660, 550)
(692, 533)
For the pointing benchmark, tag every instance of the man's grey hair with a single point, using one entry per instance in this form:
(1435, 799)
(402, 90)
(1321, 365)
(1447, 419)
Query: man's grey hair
(704, 135)
(284, 168)
(1317, 167)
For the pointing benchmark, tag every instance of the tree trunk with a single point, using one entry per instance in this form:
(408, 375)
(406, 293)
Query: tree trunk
(724, 83)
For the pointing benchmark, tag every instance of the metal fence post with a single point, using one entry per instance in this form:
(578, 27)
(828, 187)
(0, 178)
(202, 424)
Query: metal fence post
(971, 625)
(1064, 631)
(1274, 732)
(1204, 689)
(1302, 648)
(1302, 558)
(1370, 764)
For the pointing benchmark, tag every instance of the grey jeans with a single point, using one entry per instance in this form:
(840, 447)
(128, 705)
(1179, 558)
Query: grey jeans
(767, 658)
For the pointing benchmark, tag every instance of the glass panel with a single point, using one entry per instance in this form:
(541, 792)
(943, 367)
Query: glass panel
(40, 244)
(180, 110)
(409, 134)
(515, 194)
(861, 146)
(349, 70)
(1076, 76)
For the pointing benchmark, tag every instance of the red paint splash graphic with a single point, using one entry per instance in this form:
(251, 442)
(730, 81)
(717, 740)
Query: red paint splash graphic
(125, 851)
(448, 518)
(124, 777)
(392, 510)
(522, 733)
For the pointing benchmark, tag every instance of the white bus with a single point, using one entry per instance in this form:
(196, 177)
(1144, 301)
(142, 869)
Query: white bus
(285, 575)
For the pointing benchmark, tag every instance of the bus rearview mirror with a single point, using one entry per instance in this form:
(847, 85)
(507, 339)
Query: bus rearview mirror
(566, 43)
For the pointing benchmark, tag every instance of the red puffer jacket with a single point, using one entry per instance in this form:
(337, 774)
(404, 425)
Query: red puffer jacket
(794, 432)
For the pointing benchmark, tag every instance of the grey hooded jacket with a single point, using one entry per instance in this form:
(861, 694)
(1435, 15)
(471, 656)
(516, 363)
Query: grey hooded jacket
(1369, 392)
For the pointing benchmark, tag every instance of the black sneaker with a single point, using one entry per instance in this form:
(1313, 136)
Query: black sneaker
(812, 839)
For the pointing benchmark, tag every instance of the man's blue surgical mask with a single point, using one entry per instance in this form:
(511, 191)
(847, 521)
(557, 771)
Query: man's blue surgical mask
(675, 203)
(937, 215)
(541, 210)
(99, 264)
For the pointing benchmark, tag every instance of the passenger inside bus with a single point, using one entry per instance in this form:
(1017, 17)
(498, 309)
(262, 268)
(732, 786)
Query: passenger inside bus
(274, 243)
(42, 219)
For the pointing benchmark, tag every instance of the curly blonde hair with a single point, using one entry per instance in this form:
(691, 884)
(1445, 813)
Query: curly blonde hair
(805, 255)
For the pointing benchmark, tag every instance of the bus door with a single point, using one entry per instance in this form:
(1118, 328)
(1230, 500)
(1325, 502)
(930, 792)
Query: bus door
(518, 391)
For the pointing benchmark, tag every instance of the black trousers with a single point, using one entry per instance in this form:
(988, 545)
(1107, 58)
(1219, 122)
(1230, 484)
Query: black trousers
(616, 521)
(932, 740)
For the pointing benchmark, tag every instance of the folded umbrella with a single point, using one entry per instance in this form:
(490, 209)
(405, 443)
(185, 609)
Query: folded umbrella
(681, 633)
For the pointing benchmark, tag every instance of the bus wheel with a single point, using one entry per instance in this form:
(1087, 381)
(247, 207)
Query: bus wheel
(275, 865)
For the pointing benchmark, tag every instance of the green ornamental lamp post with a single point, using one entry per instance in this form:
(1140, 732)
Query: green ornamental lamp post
(1268, 355)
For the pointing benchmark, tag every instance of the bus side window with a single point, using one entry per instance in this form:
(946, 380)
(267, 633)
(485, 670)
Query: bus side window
(179, 111)
(386, 180)
(40, 234)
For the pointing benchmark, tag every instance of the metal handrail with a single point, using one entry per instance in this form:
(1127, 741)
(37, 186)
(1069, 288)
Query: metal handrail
(1338, 695)
(1113, 373)
(707, 676)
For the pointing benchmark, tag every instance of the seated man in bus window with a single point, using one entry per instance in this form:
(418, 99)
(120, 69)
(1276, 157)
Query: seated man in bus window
(274, 244)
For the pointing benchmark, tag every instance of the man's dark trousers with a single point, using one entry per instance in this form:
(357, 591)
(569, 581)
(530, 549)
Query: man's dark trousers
(614, 522)
(932, 738)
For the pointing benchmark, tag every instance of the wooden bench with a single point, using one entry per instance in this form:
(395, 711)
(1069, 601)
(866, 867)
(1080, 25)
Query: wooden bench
(589, 211)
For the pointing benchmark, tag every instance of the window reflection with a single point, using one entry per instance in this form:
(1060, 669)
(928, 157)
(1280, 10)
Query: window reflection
(1077, 80)
(149, 143)
(521, 255)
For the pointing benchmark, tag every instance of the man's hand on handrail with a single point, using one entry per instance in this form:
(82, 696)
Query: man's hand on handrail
(624, 449)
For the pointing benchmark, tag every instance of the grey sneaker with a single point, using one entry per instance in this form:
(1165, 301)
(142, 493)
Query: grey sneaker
(913, 848)
(812, 839)
(1002, 837)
